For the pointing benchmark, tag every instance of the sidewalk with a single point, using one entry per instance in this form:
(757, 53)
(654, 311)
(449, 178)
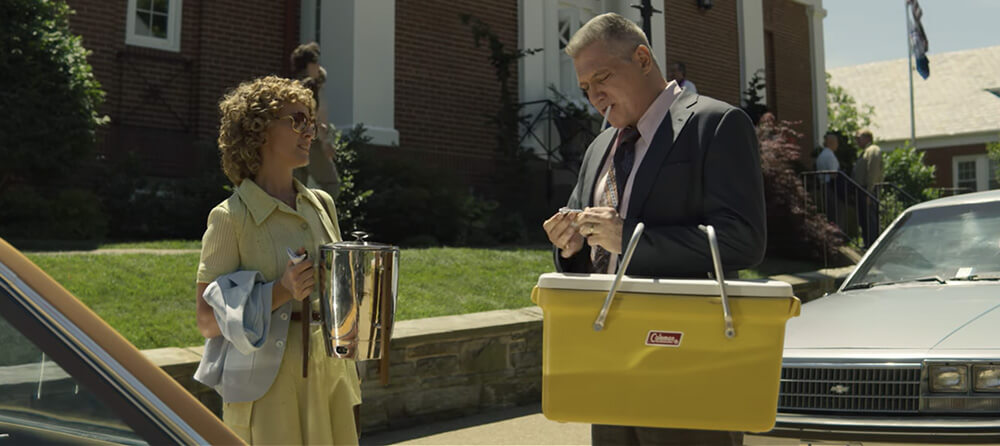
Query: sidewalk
(524, 425)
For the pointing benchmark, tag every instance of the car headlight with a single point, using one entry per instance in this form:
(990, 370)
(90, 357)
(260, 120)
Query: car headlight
(987, 378)
(949, 378)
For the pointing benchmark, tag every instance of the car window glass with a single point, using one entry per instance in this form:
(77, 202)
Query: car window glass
(937, 242)
(41, 404)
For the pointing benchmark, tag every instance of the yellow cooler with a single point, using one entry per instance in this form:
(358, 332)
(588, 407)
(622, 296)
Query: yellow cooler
(663, 357)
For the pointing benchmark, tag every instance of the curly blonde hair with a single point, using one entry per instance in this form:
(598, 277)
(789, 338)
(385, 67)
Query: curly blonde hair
(245, 113)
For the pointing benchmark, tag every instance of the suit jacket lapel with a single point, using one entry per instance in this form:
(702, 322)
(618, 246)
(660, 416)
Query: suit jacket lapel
(677, 116)
(593, 167)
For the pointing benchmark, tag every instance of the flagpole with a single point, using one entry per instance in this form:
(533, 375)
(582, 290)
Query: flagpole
(909, 70)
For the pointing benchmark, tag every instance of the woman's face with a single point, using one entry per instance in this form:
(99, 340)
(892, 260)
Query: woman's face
(287, 138)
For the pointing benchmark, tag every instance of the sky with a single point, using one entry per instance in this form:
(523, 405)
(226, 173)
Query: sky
(861, 31)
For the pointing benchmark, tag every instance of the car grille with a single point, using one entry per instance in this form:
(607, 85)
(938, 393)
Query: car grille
(850, 389)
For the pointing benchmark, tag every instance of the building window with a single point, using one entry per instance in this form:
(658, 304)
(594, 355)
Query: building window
(154, 24)
(974, 173)
(569, 23)
(572, 15)
(967, 175)
(992, 174)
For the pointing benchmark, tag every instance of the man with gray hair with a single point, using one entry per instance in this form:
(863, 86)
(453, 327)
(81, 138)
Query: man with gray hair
(672, 161)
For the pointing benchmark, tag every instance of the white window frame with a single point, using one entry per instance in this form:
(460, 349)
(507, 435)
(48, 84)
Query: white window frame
(173, 40)
(982, 170)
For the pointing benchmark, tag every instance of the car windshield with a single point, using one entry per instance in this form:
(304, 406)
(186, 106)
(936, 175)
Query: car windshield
(936, 244)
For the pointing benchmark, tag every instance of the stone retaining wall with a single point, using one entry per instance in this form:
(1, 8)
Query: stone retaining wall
(452, 366)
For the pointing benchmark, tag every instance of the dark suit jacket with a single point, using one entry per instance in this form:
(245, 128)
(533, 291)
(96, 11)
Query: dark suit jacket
(702, 167)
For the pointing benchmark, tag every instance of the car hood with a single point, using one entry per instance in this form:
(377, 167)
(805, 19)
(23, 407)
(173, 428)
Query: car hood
(956, 316)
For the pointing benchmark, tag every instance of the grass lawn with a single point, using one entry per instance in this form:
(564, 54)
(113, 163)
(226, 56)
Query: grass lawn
(68, 245)
(158, 244)
(149, 299)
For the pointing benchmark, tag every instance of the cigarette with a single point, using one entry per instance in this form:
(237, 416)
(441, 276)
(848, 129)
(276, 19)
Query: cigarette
(605, 123)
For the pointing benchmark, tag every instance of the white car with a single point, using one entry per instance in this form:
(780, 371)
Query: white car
(908, 349)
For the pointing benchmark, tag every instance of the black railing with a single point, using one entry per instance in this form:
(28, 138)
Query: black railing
(560, 133)
(853, 209)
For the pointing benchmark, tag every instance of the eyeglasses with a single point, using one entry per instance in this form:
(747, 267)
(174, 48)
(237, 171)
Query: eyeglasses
(301, 122)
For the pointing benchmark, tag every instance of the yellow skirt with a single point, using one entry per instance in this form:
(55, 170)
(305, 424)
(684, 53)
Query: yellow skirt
(295, 410)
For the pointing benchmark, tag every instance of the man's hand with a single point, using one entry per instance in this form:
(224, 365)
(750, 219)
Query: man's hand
(602, 227)
(562, 231)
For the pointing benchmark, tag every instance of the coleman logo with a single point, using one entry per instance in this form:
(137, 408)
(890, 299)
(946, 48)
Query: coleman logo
(840, 389)
(664, 338)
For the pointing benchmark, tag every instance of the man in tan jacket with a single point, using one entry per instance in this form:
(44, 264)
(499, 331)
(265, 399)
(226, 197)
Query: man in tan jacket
(868, 173)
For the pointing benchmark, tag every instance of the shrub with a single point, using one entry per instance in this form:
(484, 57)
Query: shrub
(904, 167)
(51, 98)
(845, 118)
(794, 228)
(352, 198)
(28, 213)
(428, 207)
(142, 207)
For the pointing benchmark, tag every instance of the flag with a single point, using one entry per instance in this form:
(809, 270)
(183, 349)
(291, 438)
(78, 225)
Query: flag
(918, 39)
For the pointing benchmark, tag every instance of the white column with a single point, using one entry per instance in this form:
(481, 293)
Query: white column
(307, 21)
(658, 30)
(357, 39)
(750, 17)
(816, 13)
(532, 81)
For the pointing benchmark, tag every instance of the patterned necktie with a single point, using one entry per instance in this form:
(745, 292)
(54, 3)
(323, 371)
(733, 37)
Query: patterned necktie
(614, 186)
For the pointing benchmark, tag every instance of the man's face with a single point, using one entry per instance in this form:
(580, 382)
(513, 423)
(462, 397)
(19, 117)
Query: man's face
(675, 73)
(313, 70)
(608, 79)
(862, 140)
(832, 142)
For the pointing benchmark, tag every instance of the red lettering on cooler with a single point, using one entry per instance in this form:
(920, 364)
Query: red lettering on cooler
(664, 338)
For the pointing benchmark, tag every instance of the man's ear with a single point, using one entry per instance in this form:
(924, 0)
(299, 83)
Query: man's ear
(644, 57)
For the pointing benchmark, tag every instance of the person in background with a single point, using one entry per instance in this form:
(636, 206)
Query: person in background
(322, 170)
(678, 73)
(255, 304)
(672, 160)
(827, 161)
(868, 173)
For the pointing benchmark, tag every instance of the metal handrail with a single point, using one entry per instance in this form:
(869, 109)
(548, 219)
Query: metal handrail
(897, 190)
(844, 187)
(549, 111)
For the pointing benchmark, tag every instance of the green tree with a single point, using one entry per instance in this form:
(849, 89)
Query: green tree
(845, 117)
(50, 98)
(993, 150)
(49, 93)
(352, 198)
(905, 169)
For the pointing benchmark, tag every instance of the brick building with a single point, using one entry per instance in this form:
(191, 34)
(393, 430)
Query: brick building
(956, 111)
(409, 71)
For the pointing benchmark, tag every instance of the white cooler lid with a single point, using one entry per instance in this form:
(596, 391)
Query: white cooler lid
(696, 287)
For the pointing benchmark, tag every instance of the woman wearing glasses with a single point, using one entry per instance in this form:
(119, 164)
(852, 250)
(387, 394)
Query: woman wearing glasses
(276, 381)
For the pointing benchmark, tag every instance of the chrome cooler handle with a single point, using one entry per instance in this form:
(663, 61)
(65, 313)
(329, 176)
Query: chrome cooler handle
(713, 243)
(599, 323)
